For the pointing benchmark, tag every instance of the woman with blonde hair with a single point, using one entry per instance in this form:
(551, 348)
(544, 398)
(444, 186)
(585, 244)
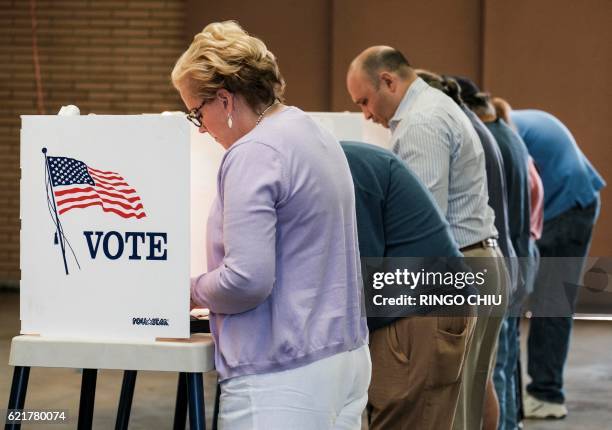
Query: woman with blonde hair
(283, 284)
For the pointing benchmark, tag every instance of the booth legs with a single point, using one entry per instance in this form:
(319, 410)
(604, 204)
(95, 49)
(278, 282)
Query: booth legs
(19, 388)
(88, 395)
(195, 387)
(125, 399)
(180, 411)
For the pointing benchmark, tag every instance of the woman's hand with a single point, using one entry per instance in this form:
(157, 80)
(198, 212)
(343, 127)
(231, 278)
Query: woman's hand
(200, 313)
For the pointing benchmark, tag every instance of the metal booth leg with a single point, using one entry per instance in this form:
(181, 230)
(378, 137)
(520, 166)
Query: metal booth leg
(195, 386)
(180, 410)
(88, 395)
(19, 388)
(125, 399)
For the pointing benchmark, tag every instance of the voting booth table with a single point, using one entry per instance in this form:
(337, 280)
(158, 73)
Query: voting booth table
(113, 215)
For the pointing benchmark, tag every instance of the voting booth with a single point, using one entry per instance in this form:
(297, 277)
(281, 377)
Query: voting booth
(113, 220)
(105, 226)
(353, 126)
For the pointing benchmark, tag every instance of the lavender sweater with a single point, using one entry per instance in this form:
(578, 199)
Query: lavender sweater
(284, 282)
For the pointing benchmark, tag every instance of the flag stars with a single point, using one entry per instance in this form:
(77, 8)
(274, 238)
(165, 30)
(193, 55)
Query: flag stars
(67, 171)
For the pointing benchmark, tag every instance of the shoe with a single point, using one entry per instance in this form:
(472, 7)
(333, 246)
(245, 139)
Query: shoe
(535, 408)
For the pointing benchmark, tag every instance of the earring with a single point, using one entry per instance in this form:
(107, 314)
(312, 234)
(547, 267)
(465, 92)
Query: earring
(229, 121)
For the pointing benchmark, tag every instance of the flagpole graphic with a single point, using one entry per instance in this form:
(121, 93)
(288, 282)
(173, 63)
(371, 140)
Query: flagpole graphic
(58, 225)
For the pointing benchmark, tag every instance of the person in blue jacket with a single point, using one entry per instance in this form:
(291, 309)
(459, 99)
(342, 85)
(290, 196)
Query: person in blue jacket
(571, 208)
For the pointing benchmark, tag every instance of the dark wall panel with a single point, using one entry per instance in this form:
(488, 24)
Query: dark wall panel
(554, 55)
(440, 35)
(297, 32)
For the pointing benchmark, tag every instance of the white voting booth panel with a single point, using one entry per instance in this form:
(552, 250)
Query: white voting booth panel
(206, 156)
(128, 266)
(353, 126)
(105, 238)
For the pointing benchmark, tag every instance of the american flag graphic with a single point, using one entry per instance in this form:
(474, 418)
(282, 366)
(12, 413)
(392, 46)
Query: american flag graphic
(77, 185)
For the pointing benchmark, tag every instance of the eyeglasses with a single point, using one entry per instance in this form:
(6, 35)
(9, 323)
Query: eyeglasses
(195, 116)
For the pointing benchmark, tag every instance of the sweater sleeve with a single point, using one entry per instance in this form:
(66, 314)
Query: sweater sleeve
(251, 185)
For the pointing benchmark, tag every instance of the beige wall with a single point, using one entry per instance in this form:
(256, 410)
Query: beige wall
(554, 55)
(298, 32)
(440, 35)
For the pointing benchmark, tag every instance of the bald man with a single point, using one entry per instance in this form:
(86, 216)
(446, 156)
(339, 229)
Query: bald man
(436, 140)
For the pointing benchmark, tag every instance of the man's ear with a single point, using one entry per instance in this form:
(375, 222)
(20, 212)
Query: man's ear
(389, 81)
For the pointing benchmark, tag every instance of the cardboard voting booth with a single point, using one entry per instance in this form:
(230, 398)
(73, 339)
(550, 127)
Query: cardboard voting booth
(105, 226)
(113, 220)
(353, 126)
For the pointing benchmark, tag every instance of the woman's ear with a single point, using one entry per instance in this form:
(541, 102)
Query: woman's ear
(227, 99)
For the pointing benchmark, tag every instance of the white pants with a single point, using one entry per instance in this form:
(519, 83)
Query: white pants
(328, 394)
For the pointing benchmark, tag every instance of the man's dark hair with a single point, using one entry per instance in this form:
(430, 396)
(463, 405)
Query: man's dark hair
(473, 97)
(478, 101)
(390, 60)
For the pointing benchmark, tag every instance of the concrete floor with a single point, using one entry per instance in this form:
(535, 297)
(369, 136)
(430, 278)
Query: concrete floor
(589, 384)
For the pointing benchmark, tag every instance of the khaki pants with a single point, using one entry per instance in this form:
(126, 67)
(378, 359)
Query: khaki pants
(482, 350)
(417, 364)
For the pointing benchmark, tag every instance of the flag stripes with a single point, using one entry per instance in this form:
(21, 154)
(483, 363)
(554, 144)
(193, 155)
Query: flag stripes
(109, 190)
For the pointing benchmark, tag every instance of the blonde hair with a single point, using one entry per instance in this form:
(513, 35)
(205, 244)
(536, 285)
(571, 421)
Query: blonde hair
(223, 55)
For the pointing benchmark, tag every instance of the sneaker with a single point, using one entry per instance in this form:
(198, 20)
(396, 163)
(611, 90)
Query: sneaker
(535, 408)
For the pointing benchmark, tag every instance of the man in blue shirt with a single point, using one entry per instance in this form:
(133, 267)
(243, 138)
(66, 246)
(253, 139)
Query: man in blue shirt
(397, 217)
(571, 207)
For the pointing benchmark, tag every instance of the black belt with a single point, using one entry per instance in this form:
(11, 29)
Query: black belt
(490, 242)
